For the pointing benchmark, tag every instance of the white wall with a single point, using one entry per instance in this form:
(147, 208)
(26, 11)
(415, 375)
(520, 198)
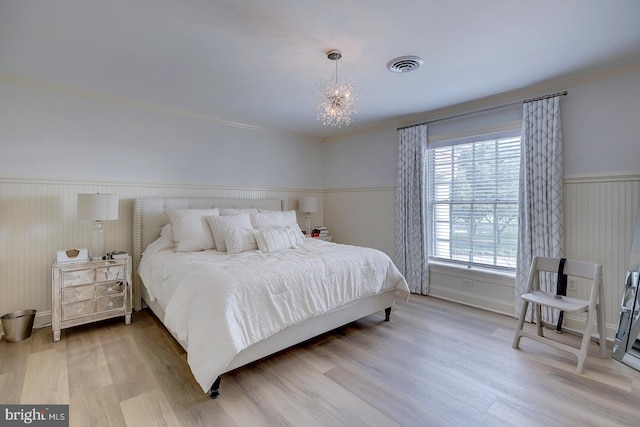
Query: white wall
(363, 160)
(601, 129)
(66, 134)
(600, 125)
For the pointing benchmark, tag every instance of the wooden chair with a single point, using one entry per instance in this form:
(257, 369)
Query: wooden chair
(594, 306)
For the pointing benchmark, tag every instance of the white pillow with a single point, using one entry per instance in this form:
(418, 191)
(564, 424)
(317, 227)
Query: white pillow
(219, 224)
(233, 211)
(270, 219)
(275, 239)
(240, 240)
(273, 219)
(166, 231)
(190, 230)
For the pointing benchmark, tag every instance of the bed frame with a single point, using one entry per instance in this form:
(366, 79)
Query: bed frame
(149, 217)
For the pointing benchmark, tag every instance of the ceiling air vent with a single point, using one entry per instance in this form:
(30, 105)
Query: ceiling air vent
(404, 64)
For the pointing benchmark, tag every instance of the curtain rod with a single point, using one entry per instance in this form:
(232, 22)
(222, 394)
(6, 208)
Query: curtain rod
(455, 116)
(553, 95)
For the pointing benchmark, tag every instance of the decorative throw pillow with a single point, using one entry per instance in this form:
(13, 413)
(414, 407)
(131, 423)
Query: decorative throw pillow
(190, 229)
(275, 239)
(240, 240)
(297, 233)
(271, 219)
(219, 224)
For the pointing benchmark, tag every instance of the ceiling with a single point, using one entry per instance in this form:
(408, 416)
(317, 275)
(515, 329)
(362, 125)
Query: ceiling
(258, 62)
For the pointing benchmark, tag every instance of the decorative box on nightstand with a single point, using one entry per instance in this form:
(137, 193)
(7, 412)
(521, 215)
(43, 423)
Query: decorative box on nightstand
(86, 292)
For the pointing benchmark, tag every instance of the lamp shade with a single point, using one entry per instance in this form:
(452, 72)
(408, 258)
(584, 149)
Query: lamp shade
(308, 204)
(97, 207)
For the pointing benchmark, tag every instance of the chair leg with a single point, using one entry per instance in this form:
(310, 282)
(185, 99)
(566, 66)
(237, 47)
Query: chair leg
(602, 331)
(586, 339)
(523, 314)
(602, 328)
(538, 319)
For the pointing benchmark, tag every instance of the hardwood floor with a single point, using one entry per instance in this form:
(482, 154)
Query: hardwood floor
(435, 364)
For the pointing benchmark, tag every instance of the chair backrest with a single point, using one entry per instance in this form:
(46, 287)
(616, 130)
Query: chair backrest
(572, 267)
(582, 269)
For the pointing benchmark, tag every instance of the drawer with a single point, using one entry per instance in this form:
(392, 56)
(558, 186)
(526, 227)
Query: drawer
(107, 304)
(78, 309)
(77, 293)
(77, 277)
(109, 288)
(106, 274)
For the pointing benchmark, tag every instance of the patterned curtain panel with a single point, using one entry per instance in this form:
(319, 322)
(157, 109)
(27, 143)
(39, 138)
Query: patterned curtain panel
(540, 204)
(411, 208)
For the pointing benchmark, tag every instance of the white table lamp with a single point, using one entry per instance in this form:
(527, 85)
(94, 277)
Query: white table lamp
(98, 208)
(308, 205)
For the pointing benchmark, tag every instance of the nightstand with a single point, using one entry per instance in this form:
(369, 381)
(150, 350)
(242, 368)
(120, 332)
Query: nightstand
(325, 238)
(86, 292)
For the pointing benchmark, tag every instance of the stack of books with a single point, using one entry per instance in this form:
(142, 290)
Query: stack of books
(320, 231)
(117, 255)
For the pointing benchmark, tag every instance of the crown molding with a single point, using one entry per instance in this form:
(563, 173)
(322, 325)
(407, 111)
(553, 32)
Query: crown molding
(504, 98)
(519, 95)
(134, 103)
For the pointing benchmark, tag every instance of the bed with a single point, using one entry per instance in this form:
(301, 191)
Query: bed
(228, 309)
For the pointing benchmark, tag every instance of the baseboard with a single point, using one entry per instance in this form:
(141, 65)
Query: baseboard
(473, 300)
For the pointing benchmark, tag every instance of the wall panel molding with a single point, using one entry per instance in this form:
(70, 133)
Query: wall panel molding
(359, 190)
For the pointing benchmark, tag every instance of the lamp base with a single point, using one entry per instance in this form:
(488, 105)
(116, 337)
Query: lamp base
(98, 248)
(307, 224)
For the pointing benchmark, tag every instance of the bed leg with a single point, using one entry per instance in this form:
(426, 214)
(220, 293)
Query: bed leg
(387, 314)
(215, 388)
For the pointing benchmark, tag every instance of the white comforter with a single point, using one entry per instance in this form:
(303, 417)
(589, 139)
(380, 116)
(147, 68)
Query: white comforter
(217, 305)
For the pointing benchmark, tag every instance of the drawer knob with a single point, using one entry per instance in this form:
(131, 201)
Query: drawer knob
(110, 288)
(111, 304)
(79, 310)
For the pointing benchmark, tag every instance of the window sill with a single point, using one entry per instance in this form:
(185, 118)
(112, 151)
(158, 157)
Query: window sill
(487, 273)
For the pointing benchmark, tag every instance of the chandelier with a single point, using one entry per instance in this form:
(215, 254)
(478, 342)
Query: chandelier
(338, 101)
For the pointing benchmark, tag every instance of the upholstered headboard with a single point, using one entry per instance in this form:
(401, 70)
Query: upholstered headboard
(149, 217)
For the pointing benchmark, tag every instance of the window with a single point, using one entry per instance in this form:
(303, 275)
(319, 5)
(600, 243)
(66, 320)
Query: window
(473, 202)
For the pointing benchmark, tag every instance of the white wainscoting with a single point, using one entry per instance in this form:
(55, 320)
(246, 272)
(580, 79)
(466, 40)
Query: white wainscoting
(478, 288)
(38, 217)
(599, 221)
(362, 216)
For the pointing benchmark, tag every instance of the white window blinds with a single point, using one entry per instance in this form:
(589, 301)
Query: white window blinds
(473, 201)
